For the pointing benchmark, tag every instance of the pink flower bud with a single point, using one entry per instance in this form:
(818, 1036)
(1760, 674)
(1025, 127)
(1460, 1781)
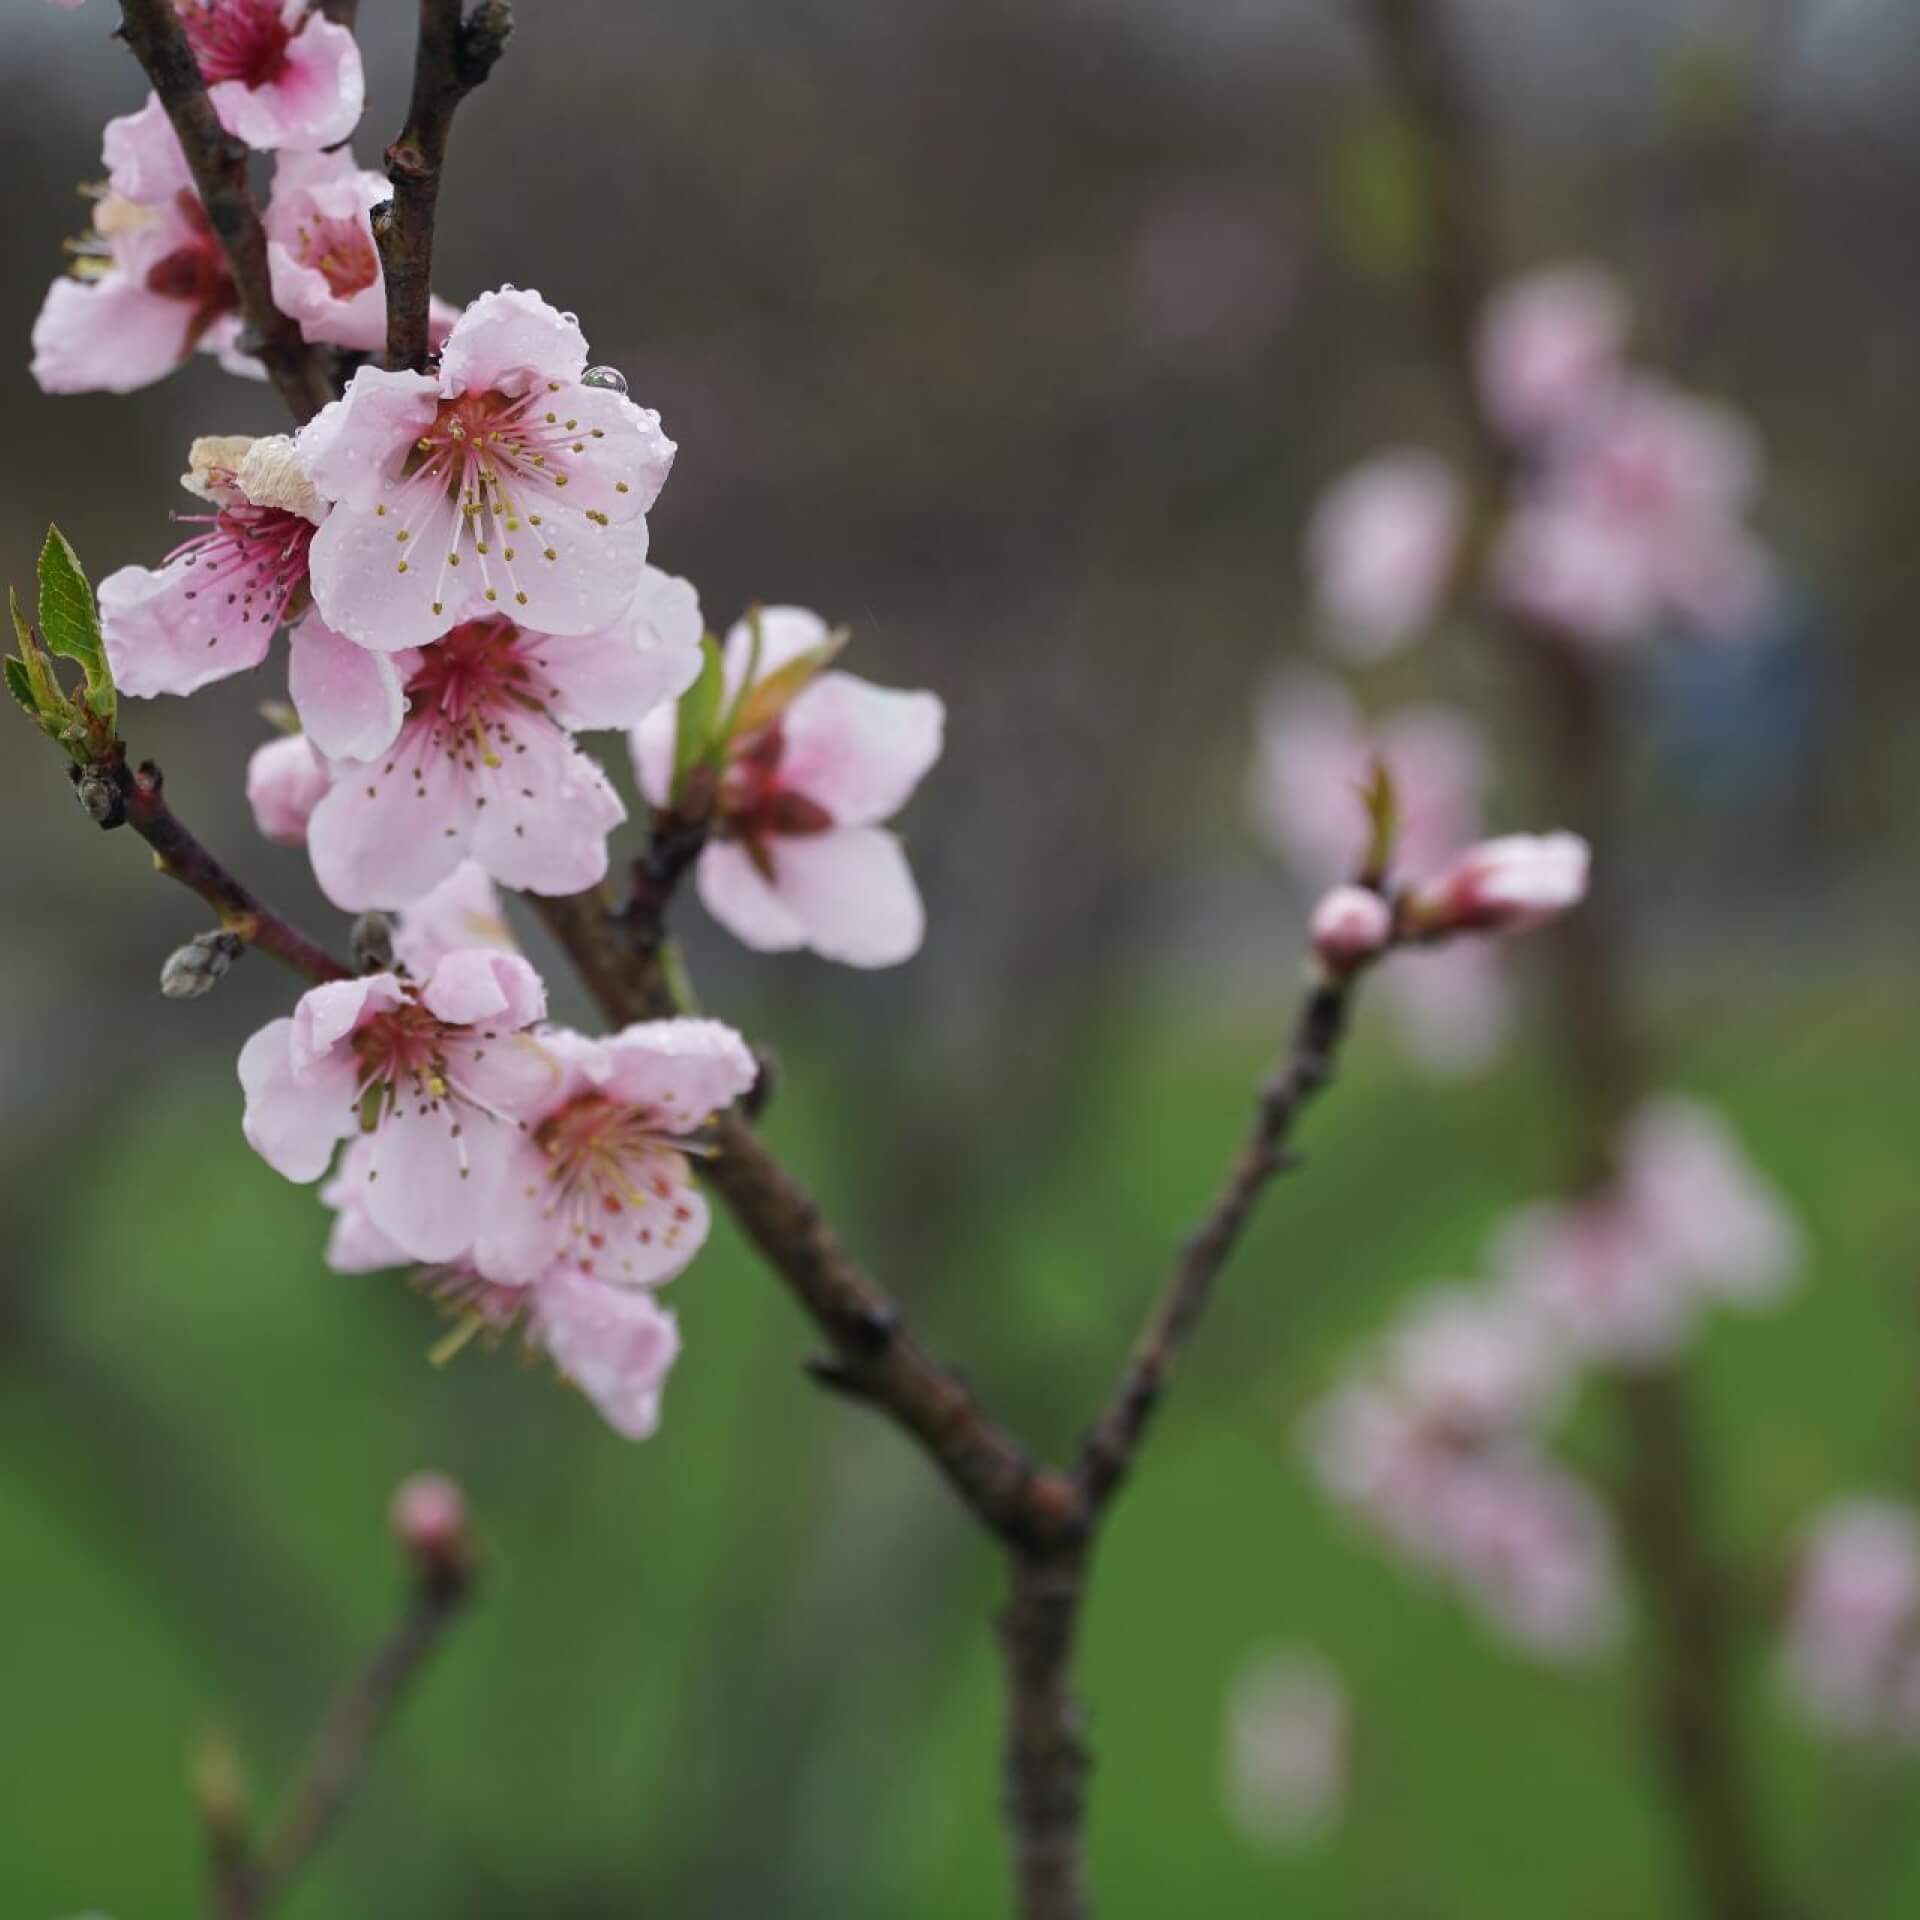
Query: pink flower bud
(1503, 886)
(429, 1519)
(285, 782)
(1350, 927)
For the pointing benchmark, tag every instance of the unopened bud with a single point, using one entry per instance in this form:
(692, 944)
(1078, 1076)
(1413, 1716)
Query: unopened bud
(371, 943)
(1350, 927)
(1502, 886)
(429, 1518)
(100, 798)
(193, 969)
(286, 780)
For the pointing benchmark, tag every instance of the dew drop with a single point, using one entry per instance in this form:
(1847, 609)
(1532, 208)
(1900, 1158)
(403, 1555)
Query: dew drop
(610, 377)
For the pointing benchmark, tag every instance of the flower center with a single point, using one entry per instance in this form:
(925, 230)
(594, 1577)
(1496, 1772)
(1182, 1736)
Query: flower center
(256, 557)
(753, 806)
(470, 674)
(343, 251)
(196, 272)
(244, 40)
(606, 1161)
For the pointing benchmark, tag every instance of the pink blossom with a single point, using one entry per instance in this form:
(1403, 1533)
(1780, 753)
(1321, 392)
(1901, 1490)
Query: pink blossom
(285, 779)
(1635, 519)
(485, 764)
(462, 911)
(1381, 547)
(798, 856)
(143, 155)
(1852, 1656)
(354, 1243)
(501, 485)
(1587, 1271)
(616, 1344)
(1315, 754)
(436, 1076)
(1350, 927)
(278, 73)
(1472, 1363)
(1548, 348)
(599, 1185)
(1287, 1747)
(1452, 1005)
(1509, 885)
(149, 287)
(320, 250)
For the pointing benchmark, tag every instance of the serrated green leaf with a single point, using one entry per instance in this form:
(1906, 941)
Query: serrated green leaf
(70, 622)
(48, 700)
(766, 702)
(697, 716)
(20, 685)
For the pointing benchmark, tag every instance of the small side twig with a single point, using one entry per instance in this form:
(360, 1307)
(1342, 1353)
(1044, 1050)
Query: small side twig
(1306, 1069)
(116, 794)
(455, 53)
(301, 373)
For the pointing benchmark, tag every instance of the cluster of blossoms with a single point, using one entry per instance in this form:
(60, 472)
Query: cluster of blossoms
(1439, 1441)
(1852, 1657)
(459, 557)
(1628, 513)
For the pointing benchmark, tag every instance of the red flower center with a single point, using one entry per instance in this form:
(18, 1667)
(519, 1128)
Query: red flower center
(244, 40)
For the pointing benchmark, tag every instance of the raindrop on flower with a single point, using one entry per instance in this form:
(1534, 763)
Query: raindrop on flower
(605, 377)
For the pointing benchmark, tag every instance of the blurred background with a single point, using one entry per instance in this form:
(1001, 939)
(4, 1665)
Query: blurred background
(1020, 339)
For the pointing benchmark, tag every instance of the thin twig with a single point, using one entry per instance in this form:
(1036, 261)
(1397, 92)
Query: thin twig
(119, 795)
(455, 53)
(218, 162)
(1307, 1068)
(878, 1361)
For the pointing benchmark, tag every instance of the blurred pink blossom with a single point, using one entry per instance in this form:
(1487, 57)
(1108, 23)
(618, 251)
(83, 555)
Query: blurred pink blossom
(1381, 547)
(1509, 885)
(285, 779)
(1287, 1747)
(278, 73)
(462, 911)
(1548, 346)
(1852, 1654)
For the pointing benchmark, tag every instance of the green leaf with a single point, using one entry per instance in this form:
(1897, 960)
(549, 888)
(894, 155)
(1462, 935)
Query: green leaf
(698, 713)
(36, 670)
(71, 623)
(765, 703)
(20, 685)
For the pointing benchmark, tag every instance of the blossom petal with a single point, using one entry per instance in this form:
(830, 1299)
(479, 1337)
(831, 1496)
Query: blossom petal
(615, 677)
(388, 832)
(143, 156)
(614, 1343)
(680, 1071)
(353, 447)
(429, 1167)
(544, 829)
(165, 635)
(350, 700)
(293, 1122)
(478, 984)
(508, 341)
(108, 335)
(286, 780)
(462, 911)
(853, 892)
(860, 750)
(733, 890)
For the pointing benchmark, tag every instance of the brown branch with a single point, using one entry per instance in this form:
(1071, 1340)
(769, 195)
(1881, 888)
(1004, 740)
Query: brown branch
(455, 53)
(1306, 1069)
(1692, 1705)
(115, 794)
(876, 1360)
(218, 162)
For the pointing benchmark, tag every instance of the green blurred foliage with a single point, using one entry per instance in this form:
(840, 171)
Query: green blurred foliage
(743, 1668)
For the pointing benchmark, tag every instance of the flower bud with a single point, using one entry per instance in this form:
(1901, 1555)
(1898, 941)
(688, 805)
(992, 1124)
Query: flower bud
(371, 943)
(286, 780)
(195, 968)
(1502, 886)
(429, 1519)
(1350, 927)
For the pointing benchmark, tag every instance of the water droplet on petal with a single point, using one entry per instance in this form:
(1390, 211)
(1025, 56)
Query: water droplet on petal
(605, 377)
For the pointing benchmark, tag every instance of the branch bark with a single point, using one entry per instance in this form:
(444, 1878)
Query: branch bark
(454, 54)
(116, 794)
(302, 374)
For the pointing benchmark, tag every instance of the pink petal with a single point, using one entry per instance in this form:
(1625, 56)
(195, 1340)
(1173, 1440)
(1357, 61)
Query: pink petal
(682, 1071)
(355, 1244)
(327, 1014)
(164, 634)
(1380, 547)
(517, 1075)
(387, 835)
(321, 203)
(462, 911)
(615, 1344)
(108, 335)
(615, 677)
(350, 701)
(353, 447)
(545, 827)
(1452, 1004)
(293, 1122)
(426, 1181)
(143, 157)
(785, 634)
(509, 340)
(860, 750)
(315, 102)
(482, 984)
(286, 780)
(1549, 346)
(651, 746)
(733, 891)
(853, 892)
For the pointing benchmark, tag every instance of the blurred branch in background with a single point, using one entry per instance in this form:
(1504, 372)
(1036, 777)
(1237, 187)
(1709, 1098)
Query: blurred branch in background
(1693, 1711)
